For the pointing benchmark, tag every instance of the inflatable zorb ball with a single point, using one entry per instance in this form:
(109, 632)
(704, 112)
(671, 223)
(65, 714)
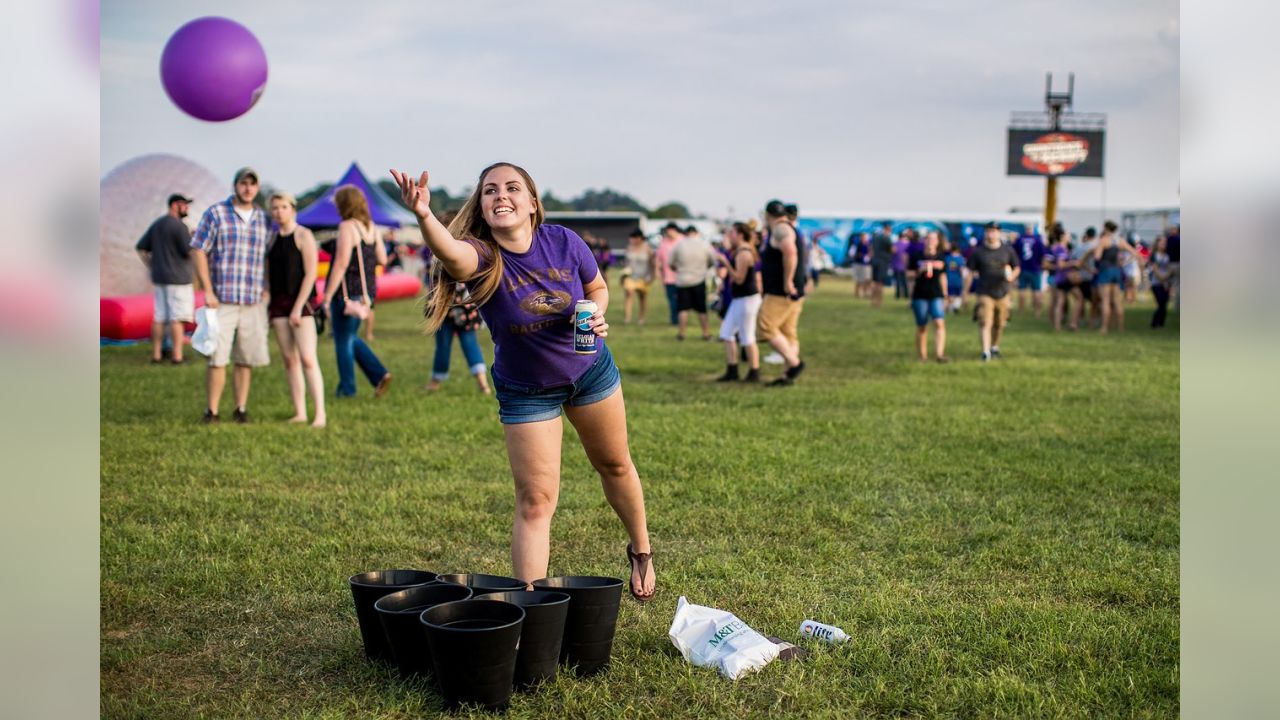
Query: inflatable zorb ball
(214, 69)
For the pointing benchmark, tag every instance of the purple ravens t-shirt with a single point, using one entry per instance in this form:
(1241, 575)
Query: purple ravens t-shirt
(530, 314)
(1031, 252)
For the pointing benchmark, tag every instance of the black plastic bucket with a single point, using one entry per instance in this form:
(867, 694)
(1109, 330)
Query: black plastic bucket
(484, 583)
(542, 634)
(592, 620)
(366, 588)
(473, 649)
(399, 613)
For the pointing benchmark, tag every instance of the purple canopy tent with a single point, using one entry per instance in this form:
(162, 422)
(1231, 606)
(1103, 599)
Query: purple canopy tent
(385, 211)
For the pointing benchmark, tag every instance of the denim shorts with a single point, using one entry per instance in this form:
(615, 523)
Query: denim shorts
(519, 403)
(1110, 276)
(925, 309)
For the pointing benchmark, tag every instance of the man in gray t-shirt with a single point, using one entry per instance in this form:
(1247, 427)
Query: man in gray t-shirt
(165, 249)
(691, 259)
(996, 265)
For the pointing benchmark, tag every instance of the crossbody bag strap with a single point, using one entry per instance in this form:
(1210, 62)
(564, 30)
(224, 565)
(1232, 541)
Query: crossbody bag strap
(364, 287)
(345, 297)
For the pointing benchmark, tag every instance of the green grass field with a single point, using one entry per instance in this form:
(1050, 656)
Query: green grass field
(999, 540)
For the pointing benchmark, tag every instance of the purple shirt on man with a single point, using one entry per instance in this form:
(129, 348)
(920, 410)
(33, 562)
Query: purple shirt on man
(1031, 252)
(530, 316)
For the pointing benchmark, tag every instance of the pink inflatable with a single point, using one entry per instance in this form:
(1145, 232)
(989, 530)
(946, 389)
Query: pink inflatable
(129, 317)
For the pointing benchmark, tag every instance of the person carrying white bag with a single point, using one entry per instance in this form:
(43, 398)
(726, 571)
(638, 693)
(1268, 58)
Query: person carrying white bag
(205, 339)
(708, 637)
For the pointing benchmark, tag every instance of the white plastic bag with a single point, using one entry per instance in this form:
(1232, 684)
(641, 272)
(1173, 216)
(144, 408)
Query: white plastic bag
(205, 339)
(708, 637)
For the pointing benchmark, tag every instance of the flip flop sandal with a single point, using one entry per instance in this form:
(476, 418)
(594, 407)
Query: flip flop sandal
(637, 561)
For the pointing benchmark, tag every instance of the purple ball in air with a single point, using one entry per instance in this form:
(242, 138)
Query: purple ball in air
(214, 69)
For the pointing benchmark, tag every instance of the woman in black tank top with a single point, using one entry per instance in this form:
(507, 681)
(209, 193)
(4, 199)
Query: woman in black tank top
(359, 247)
(1110, 276)
(291, 276)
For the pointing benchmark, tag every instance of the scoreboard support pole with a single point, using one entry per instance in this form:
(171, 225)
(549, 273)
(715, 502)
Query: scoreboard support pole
(1050, 202)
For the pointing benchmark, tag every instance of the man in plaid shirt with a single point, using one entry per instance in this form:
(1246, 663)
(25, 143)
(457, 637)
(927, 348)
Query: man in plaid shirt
(229, 249)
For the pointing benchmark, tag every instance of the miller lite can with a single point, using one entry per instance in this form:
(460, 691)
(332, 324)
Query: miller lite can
(584, 339)
(826, 633)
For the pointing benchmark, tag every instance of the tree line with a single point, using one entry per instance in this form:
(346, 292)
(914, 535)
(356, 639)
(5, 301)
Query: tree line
(606, 200)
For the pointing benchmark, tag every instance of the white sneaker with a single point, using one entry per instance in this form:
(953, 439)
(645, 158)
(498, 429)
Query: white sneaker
(774, 358)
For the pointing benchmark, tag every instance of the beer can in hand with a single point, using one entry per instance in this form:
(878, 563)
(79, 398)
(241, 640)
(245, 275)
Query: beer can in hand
(584, 338)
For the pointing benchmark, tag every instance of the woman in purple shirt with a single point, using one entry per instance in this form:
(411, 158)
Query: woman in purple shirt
(527, 277)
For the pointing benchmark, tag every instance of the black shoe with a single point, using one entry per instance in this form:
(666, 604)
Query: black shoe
(730, 374)
(783, 381)
(209, 418)
(240, 415)
(752, 376)
(995, 352)
(794, 372)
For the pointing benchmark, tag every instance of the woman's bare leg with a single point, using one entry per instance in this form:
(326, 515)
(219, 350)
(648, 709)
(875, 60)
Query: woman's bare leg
(533, 449)
(292, 368)
(305, 339)
(602, 427)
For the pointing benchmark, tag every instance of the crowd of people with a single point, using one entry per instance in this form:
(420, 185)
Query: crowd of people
(259, 275)
(758, 277)
(1097, 274)
(259, 271)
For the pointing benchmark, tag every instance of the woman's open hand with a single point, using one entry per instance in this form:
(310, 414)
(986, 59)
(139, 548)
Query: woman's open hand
(414, 193)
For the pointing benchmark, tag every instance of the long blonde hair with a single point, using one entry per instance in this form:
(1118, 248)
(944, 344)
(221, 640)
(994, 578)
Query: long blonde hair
(469, 224)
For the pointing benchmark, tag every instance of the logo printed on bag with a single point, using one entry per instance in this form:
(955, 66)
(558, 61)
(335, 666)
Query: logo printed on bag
(724, 632)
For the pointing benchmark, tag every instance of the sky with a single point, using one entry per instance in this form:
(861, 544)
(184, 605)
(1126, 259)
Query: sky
(721, 105)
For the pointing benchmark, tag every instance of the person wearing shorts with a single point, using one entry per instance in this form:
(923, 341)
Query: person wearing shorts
(291, 277)
(740, 319)
(783, 279)
(165, 249)
(1031, 251)
(229, 248)
(638, 274)
(691, 259)
(927, 271)
(526, 277)
(994, 265)
(1110, 275)
(1058, 261)
(860, 255)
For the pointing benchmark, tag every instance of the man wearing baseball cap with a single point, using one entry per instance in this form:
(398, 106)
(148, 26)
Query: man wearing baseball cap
(229, 248)
(996, 265)
(164, 249)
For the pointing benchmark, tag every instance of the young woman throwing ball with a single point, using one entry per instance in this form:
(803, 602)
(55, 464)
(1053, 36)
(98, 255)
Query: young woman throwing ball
(527, 276)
